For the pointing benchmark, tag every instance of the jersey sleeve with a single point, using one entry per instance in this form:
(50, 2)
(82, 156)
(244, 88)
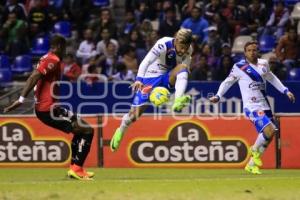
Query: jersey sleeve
(271, 78)
(156, 51)
(233, 77)
(46, 66)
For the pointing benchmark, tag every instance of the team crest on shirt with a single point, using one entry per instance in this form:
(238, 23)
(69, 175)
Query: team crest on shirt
(260, 113)
(264, 69)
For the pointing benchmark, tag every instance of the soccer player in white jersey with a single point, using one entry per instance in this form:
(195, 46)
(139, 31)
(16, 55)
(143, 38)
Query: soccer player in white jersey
(167, 65)
(251, 75)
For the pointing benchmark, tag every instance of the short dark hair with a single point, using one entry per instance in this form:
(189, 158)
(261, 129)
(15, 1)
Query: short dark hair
(57, 40)
(250, 43)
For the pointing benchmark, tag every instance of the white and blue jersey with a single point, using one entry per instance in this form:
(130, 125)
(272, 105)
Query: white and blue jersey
(252, 82)
(154, 69)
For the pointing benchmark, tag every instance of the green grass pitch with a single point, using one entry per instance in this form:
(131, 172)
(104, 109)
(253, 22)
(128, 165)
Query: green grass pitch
(154, 184)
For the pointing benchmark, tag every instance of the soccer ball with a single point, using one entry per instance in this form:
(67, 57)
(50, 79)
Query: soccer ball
(159, 96)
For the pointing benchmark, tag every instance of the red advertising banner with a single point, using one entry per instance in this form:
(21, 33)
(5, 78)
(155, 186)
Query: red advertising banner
(290, 140)
(27, 142)
(195, 142)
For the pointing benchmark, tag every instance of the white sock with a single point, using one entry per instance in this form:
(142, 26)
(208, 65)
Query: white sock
(126, 121)
(251, 162)
(260, 143)
(181, 83)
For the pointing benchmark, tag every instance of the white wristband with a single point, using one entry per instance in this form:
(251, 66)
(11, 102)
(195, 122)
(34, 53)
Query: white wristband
(21, 99)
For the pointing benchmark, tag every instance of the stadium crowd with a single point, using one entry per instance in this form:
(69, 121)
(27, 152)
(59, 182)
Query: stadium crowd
(99, 44)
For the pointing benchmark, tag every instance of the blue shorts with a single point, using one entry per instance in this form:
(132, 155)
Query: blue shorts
(142, 96)
(260, 118)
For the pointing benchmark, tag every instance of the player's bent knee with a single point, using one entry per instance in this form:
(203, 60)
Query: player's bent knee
(271, 131)
(90, 131)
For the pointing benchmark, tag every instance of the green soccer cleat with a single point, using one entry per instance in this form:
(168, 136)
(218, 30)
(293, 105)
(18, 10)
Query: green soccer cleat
(116, 140)
(80, 175)
(90, 174)
(181, 102)
(252, 169)
(256, 157)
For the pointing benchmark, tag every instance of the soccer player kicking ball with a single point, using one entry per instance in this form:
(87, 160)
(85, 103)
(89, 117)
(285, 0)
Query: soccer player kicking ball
(252, 74)
(165, 65)
(46, 73)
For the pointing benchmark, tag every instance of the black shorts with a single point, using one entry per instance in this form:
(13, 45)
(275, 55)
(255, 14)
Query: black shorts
(59, 118)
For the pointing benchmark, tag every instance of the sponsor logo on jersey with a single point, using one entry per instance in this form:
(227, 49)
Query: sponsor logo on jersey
(260, 113)
(19, 146)
(188, 143)
(257, 85)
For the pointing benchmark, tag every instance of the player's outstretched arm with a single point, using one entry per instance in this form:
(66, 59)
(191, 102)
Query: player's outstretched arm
(30, 83)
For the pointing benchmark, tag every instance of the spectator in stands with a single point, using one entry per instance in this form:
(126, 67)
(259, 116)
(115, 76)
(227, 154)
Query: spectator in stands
(86, 48)
(108, 62)
(256, 17)
(106, 38)
(79, 12)
(123, 74)
(105, 21)
(277, 68)
(210, 58)
(224, 68)
(129, 23)
(92, 74)
(277, 21)
(287, 49)
(187, 7)
(170, 25)
(145, 28)
(38, 19)
(129, 58)
(135, 39)
(226, 51)
(213, 40)
(235, 16)
(13, 34)
(222, 27)
(14, 6)
(146, 10)
(195, 56)
(57, 11)
(151, 39)
(197, 24)
(211, 9)
(70, 69)
(202, 72)
(162, 7)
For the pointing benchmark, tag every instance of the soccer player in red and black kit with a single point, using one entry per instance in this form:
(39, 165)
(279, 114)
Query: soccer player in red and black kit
(47, 72)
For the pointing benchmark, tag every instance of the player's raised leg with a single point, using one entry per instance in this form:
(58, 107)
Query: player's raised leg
(127, 120)
(179, 79)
